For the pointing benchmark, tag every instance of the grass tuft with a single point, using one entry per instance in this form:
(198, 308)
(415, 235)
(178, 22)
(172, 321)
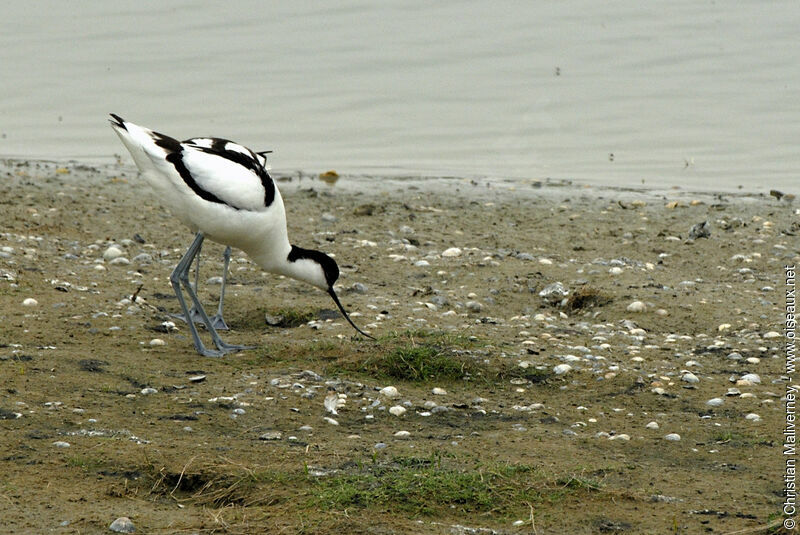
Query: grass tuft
(425, 488)
(422, 356)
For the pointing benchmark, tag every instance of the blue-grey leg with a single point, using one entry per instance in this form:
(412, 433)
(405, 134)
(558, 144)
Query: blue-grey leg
(216, 320)
(180, 275)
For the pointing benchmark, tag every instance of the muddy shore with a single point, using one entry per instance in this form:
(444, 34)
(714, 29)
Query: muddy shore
(549, 416)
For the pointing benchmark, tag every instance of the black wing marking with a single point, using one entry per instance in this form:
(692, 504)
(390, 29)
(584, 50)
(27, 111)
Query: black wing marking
(174, 150)
(244, 157)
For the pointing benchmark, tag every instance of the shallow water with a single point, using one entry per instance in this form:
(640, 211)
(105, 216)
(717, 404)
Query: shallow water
(697, 94)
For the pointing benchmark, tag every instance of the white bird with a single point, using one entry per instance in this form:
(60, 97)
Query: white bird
(222, 191)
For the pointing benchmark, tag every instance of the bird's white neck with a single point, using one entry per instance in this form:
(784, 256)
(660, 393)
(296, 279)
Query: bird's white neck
(304, 269)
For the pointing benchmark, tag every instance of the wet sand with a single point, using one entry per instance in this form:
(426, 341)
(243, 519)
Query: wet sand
(550, 408)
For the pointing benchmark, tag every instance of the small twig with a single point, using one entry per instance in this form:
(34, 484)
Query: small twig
(533, 520)
(136, 293)
(758, 529)
(180, 477)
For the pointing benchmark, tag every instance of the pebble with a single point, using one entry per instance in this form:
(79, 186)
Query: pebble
(397, 410)
(561, 369)
(652, 425)
(615, 270)
(30, 302)
(402, 435)
(636, 306)
(61, 444)
(359, 288)
(389, 391)
(120, 261)
(112, 252)
(674, 437)
(271, 435)
(330, 420)
(148, 390)
(715, 402)
(700, 230)
(122, 525)
(439, 391)
(143, 258)
(157, 342)
(689, 377)
(772, 334)
(451, 252)
(474, 306)
(554, 293)
(752, 378)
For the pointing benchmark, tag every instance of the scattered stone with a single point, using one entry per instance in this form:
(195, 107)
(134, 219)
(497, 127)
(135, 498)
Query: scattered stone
(700, 230)
(111, 253)
(554, 293)
(389, 392)
(122, 525)
(402, 435)
(197, 378)
(120, 261)
(271, 435)
(358, 288)
(474, 306)
(148, 391)
(157, 342)
(561, 369)
(673, 437)
(61, 444)
(689, 377)
(364, 209)
(751, 378)
(753, 417)
(439, 391)
(652, 425)
(636, 306)
(715, 402)
(30, 302)
(397, 410)
(451, 252)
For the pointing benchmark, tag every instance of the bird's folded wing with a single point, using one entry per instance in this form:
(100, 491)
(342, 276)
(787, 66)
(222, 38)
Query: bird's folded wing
(237, 184)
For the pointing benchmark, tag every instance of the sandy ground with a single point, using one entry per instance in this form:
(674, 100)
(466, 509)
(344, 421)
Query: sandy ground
(185, 444)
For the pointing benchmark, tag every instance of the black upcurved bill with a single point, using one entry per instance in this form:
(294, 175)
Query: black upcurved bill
(344, 313)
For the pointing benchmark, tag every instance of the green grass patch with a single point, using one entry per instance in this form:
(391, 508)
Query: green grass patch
(418, 356)
(423, 487)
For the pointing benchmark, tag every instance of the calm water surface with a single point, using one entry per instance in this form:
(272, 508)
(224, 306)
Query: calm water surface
(697, 94)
